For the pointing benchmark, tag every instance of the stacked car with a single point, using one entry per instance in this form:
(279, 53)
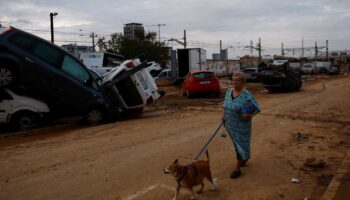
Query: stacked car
(43, 71)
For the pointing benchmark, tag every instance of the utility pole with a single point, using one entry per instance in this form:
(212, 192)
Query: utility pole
(282, 50)
(75, 49)
(259, 48)
(93, 35)
(220, 46)
(185, 43)
(316, 51)
(327, 50)
(302, 46)
(251, 47)
(51, 23)
(159, 25)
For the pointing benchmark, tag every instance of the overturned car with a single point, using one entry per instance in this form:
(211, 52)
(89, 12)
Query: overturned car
(131, 87)
(280, 77)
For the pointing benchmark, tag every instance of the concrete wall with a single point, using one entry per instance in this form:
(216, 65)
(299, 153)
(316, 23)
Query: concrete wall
(223, 68)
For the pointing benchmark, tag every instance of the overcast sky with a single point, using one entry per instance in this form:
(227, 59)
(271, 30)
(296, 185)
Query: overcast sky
(235, 22)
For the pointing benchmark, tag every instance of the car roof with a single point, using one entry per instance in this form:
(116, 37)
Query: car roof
(3, 28)
(17, 30)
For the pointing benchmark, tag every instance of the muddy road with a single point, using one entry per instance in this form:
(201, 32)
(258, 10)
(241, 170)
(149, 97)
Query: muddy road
(124, 160)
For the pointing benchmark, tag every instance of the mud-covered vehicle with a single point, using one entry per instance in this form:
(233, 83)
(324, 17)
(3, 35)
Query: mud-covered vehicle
(46, 72)
(280, 77)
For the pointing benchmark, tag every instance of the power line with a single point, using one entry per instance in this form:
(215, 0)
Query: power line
(81, 37)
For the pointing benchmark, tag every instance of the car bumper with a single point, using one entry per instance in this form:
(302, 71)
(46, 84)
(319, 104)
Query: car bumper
(203, 89)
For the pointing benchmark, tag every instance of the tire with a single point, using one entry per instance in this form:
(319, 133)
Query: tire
(293, 82)
(300, 83)
(272, 89)
(7, 76)
(217, 94)
(95, 116)
(24, 120)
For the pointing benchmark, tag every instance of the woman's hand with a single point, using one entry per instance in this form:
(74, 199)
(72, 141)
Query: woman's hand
(247, 116)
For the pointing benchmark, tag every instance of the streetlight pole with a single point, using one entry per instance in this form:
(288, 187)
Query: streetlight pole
(159, 25)
(51, 22)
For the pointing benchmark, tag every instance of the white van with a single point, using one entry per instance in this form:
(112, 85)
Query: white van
(21, 111)
(131, 86)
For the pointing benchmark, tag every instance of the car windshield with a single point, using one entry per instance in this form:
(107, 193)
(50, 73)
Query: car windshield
(279, 62)
(203, 75)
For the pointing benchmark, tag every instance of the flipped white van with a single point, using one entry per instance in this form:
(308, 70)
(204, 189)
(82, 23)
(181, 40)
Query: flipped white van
(131, 86)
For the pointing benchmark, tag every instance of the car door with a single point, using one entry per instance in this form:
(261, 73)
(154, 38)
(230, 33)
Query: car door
(69, 86)
(75, 86)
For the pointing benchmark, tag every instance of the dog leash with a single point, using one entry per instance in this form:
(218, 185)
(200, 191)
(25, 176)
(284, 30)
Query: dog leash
(211, 138)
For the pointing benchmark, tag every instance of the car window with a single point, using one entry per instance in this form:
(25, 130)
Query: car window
(75, 69)
(48, 53)
(22, 41)
(203, 75)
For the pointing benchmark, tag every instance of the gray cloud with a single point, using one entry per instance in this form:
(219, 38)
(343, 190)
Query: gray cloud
(206, 21)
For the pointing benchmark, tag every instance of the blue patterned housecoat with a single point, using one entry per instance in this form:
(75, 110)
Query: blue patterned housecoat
(238, 128)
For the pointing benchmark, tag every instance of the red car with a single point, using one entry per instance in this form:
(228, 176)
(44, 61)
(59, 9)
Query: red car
(201, 81)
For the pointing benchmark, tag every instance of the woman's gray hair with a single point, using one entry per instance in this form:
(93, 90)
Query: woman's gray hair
(240, 75)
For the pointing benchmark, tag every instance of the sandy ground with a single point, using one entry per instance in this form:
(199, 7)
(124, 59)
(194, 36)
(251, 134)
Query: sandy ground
(124, 160)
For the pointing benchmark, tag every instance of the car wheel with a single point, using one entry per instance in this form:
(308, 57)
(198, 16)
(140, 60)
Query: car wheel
(24, 120)
(299, 85)
(7, 76)
(95, 116)
(272, 89)
(217, 94)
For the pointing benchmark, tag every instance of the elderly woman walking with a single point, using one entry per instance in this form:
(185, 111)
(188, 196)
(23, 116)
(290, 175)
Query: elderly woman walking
(240, 107)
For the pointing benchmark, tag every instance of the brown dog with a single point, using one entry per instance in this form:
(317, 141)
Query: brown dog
(191, 175)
